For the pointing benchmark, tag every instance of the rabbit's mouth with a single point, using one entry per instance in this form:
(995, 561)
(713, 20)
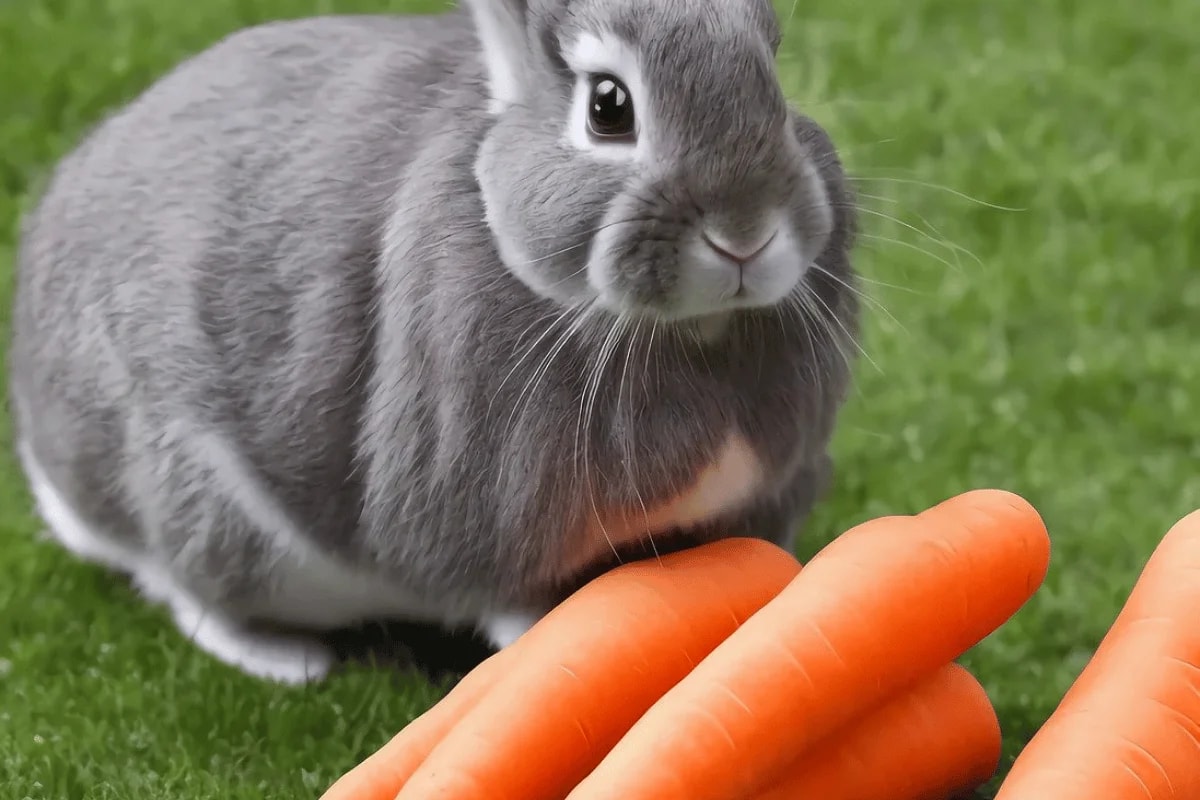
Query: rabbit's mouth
(686, 277)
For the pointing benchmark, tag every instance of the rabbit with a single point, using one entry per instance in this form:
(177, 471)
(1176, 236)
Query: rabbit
(434, 318)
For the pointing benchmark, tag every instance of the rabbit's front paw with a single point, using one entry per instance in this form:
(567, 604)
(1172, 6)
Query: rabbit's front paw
(280, 657)
(283, 658)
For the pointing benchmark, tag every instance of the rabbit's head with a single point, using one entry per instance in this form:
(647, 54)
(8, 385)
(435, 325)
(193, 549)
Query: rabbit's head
(644, 159)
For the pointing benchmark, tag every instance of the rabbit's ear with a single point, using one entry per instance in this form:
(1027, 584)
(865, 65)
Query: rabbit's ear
(500, 25)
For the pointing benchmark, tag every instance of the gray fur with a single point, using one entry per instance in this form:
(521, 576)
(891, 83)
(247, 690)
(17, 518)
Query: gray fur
(277, 258)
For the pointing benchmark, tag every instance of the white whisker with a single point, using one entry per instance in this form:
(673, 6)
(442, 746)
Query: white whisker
(588, 399)
(819, 324)
(529, 350)
(544, 367)
(917, 248)
(936, 187)
(626, 443)
(860, 293)
(834, 318)
(924, 234)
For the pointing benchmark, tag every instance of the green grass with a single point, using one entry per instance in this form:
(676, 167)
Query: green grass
(1049, 349)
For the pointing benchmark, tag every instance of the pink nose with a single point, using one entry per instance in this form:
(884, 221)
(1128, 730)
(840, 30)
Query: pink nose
(738, 255)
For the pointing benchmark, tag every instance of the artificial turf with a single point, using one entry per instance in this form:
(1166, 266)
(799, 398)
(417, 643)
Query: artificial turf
(1031, 193)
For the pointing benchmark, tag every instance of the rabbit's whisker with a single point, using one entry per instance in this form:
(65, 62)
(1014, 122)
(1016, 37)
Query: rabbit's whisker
(795, 301)
(529, 350)
(586, 417)
(586, 239)
(593, 231)
(816, 322)
(504, 275)
(874, 237)
(525, 398)
(885, 285)
(866, 298)
(849, 336)
(924, 234)
(935, 187)
(555, 254)
(627, 441)
(879, 198)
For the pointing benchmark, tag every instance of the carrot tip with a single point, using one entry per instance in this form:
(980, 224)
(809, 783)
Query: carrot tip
(991, 498)
(1188, 523)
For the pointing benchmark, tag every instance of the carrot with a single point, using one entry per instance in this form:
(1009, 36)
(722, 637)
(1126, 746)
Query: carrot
(589, 669)
(382, 774)
(881, 606)
(929, 742)
(1129, 726)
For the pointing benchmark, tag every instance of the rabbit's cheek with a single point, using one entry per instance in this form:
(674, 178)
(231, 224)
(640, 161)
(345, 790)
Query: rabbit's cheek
(730, 481)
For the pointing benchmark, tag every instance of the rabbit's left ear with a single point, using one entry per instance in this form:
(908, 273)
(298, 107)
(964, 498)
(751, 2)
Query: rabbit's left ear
(501, 28)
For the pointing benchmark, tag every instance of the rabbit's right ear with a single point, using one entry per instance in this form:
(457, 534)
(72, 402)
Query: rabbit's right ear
(501, 27)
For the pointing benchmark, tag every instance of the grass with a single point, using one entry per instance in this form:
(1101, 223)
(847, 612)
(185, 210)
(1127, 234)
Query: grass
(1033, 228)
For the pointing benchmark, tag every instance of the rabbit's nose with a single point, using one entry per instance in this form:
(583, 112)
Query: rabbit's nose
(739, 253)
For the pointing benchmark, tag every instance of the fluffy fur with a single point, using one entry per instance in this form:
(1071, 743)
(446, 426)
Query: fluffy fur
(335, 322)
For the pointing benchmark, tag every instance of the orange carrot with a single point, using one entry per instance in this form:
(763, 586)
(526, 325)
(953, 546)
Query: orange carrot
(881, 606)
(590, 668)
(382, 774)
(931, 741)
(1129, 727)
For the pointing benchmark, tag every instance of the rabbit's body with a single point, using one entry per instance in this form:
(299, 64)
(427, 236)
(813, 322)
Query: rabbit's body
(272, 357)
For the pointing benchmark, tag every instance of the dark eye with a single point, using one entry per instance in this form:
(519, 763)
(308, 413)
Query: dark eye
(610, 108)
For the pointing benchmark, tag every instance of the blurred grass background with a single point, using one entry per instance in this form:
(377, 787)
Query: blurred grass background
(1031, 193)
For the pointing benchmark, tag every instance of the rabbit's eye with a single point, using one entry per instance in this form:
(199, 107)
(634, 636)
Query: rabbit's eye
(610, 108)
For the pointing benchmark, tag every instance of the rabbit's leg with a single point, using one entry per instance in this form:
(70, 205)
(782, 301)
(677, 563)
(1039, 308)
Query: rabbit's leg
(286, 658)
(82, 507)
(219, 549)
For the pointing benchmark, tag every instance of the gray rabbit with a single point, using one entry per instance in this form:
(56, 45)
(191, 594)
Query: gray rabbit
(434, 317)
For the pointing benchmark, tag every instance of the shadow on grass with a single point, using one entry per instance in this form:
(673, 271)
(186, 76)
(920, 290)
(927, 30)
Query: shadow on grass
(435, 653)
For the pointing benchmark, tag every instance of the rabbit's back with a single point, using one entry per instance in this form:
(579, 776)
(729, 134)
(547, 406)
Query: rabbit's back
(200, 269)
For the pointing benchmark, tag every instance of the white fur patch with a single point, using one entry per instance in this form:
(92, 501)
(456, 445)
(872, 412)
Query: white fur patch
(732, 479)
(607, 53)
